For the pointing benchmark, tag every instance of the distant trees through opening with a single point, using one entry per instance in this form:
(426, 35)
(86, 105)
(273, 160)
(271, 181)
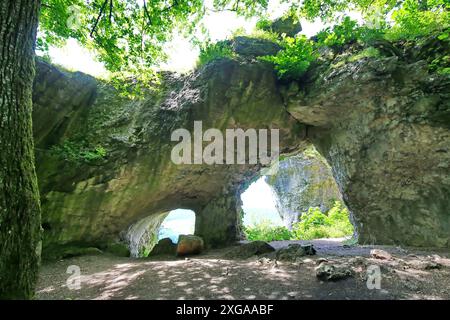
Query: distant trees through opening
(261, 219)
(177, 222)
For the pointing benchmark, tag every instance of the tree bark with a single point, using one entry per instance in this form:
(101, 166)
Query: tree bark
(20, 231)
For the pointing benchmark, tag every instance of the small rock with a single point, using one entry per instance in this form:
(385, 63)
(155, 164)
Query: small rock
(320, 260)
(380, 254)
(333, 272)
(357, 261)
(424, 264)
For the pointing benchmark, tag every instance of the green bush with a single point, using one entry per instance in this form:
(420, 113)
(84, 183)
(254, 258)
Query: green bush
(212, 51)
(264, 231)
(77, 152)
(410, 19)
(314, 224)
(414, 19)
(294, 60)
(346, 32)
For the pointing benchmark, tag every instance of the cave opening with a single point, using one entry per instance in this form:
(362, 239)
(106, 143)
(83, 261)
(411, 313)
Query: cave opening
(177, 222)
(259, 210)
(301, 201)
(142, 236)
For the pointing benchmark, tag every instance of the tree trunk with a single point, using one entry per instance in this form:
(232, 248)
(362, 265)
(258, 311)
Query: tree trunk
(20, 233)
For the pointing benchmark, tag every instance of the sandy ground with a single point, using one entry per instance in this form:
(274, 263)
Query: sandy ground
(411, 274)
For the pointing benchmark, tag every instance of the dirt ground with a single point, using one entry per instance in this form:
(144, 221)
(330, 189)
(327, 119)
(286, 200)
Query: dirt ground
(410, 274)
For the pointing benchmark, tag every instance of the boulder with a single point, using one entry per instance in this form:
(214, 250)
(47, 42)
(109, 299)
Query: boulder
(250, 249)
(164, 246)
(251, 47)
(189, 245)
(286, 25)
(294, 251)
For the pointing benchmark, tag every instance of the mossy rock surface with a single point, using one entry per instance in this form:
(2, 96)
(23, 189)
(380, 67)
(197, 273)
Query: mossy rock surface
(118, 249)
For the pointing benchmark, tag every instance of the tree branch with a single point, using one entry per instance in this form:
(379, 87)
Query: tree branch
(110, 11)
(98, 18)
(147, 13)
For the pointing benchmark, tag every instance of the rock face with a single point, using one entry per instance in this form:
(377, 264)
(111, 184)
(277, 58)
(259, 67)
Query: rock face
(382, 123)
(252, 48)
(303, 181)
(164, 246)
(104, 161)
(285, 25)
(142, 236)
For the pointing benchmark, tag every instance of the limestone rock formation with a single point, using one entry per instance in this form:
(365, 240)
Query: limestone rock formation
(164, 246)
(103, 160)
(252, 48)
(142, 236)
(382, 123)
(286, 25)
(303, 181)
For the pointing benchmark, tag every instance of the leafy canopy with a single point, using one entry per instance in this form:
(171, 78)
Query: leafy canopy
(128, 35)
(382, 20)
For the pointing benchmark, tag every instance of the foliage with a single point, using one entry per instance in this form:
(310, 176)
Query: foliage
(341, 34)
(128, 36)
(369, 52)
(263, 24)
(266, 232)
(78, 152)
(314, 224)
(347, 32)
(213, 51)
(384, 20)
(419, 18)
(295, 58)
(258, 34)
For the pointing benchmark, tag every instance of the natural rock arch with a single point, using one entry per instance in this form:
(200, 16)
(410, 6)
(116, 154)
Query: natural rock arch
(380, 123)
